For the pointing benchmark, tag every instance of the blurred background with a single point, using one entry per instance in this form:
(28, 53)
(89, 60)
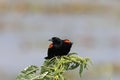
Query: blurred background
(93, 26)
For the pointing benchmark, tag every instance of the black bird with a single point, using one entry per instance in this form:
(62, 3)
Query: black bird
(58, 47)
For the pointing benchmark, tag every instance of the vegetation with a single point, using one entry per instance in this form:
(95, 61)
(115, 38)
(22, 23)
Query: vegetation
(53, 69)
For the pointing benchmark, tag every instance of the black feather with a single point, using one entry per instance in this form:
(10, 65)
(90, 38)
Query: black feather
(59, 47)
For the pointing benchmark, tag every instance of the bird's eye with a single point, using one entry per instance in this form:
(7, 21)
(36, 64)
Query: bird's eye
(67, 41)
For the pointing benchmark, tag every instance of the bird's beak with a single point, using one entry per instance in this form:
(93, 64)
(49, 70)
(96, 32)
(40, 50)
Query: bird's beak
(50, 40)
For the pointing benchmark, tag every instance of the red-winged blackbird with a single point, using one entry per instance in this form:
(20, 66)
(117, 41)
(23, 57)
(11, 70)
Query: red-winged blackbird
(58, 47)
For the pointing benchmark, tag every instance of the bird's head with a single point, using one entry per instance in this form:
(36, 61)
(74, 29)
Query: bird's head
(57, 42)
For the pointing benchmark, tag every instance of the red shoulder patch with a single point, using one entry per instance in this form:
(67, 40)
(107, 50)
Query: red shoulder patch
(67, 41)
(51, 45)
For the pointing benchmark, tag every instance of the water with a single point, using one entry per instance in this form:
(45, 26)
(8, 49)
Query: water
(24, 39)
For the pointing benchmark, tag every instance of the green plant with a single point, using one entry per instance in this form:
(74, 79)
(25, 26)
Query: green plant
(53, 69)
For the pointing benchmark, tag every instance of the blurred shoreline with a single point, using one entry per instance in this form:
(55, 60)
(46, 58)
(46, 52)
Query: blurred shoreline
(93, 26)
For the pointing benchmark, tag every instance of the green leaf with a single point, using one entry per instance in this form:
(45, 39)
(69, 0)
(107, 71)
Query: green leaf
(73, 66)
(53, 69)
(28, 73)
(81, 69)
